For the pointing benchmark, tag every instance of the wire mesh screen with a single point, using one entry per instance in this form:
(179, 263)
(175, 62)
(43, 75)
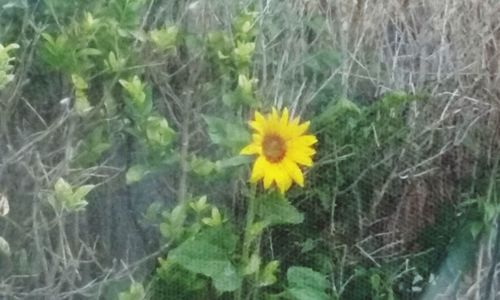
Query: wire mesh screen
(252, 150)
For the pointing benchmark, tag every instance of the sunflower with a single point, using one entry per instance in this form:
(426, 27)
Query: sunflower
(281, 145)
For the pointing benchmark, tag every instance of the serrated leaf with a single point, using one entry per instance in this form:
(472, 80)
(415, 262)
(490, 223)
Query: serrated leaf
(306, 284)
(306, 277)
(209, 253)
(274, 209)
(232, 135)
(307, 294)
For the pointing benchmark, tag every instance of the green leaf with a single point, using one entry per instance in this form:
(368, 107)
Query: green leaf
(234, 161)
(89, 52)
(79, 82)
(136, 173)
(165, 38)
(209, 253)
(136, 292)
(299, 293)
(268, 275)
(139, 102)
(476, 228)
(63, 191)
(275, 209)
(82, 191)
(153, 212)
(253, 265)
(65, 197)
(202, 166)
(4, 247)
(243, 53)
(82, 104)
(4, 205)
(159, 132)
(306, 284)
(230, 134)
(200, 205)
(375, 282)
(215, 219)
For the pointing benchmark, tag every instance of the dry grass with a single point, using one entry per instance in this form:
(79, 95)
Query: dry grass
(449, 49)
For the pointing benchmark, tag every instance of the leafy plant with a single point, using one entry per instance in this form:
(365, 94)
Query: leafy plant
(66, 197)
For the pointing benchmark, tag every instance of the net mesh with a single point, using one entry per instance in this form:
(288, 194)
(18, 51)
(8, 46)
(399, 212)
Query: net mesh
(400, 203)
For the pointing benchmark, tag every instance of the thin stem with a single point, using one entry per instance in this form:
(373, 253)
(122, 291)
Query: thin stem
(247, 237)
(248, 227)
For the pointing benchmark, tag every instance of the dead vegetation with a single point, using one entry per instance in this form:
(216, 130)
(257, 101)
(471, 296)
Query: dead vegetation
(447, 49)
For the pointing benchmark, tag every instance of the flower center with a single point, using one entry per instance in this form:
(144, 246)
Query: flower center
(273, 147)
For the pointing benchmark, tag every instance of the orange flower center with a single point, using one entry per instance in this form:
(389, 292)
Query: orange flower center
(273, 147)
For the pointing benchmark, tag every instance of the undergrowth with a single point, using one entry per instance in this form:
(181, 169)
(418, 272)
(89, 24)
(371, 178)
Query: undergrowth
(122, 122)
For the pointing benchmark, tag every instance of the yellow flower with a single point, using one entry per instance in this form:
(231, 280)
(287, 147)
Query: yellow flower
(281, 145)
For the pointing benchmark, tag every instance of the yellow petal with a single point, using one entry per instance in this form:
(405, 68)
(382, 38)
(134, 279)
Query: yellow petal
(253, 148)
(284, 117)
(259, 169)
(273, 121)
(274, 113)
(299, 157)
(302, 128)
(305, 140)
(293, 171)
(283, 181)
(258, 126)
(257, 138)
(295, 121)
(268, 179)
(292, 145)
(259, 117)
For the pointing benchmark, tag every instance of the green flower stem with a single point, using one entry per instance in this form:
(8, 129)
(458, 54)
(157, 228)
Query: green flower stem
(247, 238)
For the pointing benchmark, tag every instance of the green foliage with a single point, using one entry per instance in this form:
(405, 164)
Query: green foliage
(274, 209)
(306, 284)
(66, 197)
(138, 101)
(125, 12)
(135, 173)
(5, 64)
(136, 292)
(92, 148)
(138, 104)
(231, 135)
(209, 253)
(172, 279)
(4, 247)
(267, 275)
(165, 39)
